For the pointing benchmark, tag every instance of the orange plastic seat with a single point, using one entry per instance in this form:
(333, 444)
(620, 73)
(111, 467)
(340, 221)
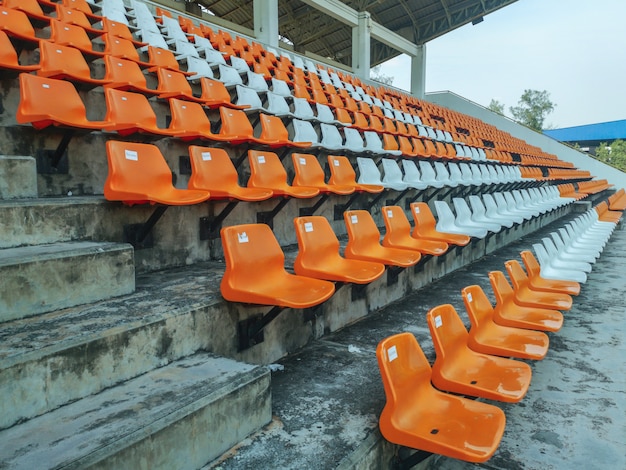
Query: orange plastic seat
(76, 17)
(117, 46)
(536, 282)
(342, 174)
(528, 297)
(459, 369)
(46, 101)
(165, 59)
(125, 74)
(425, 227)
(32, 8)
(190, 121)
(128, 113)
(214, 94)
(9, 59)
(213, 170)
(419, 416)
(139, 174)
(71, 35)
(398, 234)
(319, 257)
(255, 271)
(119, 30)
(508, 313)
(488, 337)
(65, 62)
(309, 172)
(274, 133)
(266, 171)
(80, 5)
(364, 242)
(236, 127)
(173, 84)
(16, 24)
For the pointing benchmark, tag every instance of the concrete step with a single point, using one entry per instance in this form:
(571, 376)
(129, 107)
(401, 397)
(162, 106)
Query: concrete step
(44, 278)
(179, 416)
(18, 177)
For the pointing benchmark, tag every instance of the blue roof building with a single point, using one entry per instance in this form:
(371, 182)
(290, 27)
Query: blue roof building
(590, 135)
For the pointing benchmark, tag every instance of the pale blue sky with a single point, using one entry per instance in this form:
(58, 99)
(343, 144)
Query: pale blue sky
(574, 49)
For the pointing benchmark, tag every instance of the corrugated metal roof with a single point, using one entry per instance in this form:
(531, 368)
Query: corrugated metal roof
(419, 21)
(599, 132)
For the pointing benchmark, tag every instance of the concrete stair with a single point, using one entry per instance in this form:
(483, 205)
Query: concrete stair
(44, 278)
(18, 177)
(178, 416)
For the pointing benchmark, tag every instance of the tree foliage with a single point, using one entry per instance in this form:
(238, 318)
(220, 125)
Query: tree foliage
(496, 106)
(377, 75)
(532, 109)
(613, 154)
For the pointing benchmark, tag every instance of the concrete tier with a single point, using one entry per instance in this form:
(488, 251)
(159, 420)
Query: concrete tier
(18, 177)
(178, 416)
(44, 278)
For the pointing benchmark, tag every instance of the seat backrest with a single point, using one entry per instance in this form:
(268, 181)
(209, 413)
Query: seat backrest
(316, 240)
(531, 263)
(502, 290)
(250, 251)
(308, 171)
(211, 168)
(304, 131)
(189, 116)
(392, 171)
(427, 171)
(266, 170)
(402, 365)
(163, 58)
(273, 129)
(331, 138)
(423, 218)
(235, 123)
(396, 223)
(45, 101)
(58, 60)
(16, 23)
(128, 110)
(341, 171)
(368, 171)
(478, 307)
(70, 35)
(516, 274)
(135, 168)
(447, 330)
(361, 228)
(354, 140)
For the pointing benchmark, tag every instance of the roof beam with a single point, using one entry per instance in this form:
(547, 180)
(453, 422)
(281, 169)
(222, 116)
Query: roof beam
(342, 12)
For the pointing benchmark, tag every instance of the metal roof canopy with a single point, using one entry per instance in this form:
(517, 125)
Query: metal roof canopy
(324, 27)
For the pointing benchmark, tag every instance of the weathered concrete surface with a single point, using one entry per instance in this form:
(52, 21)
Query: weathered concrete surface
(18, 177)
(573, 415)
(178, 416)
(44, 278)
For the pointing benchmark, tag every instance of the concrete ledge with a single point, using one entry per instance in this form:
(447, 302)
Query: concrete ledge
(18, 177)
(180, 416)
(37, 279)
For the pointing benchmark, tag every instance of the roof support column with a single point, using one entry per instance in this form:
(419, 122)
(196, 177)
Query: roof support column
(266, 21)
(418, 72)
(361, 35)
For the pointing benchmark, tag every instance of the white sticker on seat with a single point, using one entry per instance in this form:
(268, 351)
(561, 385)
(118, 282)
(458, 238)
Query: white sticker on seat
(302, 161)
(336, 162)
(469, 297)
(417, 210)
(242, 237)
(261, 159)
(438, 321)
(308, 226)
(392, 353)
(206, 156)
(354, 219)
(131, 155)
(390, 214)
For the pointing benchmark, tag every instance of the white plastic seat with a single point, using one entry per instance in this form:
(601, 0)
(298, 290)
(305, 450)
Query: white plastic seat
(202, 44)
(456, 176)
(549, 270)
(587, 256)
(277, 105)
(513, 207)
(393, 177)
(465, 217)
(503, 208)
(302, 109)
(248, 97)
(114, 10)
(256, 81)
(479, 213)
(369, 173)
(280, 87)
(521, 203)
(216, 59)
(446, 222)
(412, 175)
(443, 176)
(229, 76)
(354, 140)
(478, 176)
(566, 260)
(579, 243)
(331, 138)
(239, 64)
(486, 176)
(304, 132)
(199, 67)
(428, 175)
(325, 114)
(172, 29)
(152, 38)
(184, 50)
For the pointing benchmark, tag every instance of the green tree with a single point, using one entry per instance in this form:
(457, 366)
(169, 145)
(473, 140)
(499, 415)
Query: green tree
(496, 106)
(377, 75)
(533, 108)
(613, 154)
